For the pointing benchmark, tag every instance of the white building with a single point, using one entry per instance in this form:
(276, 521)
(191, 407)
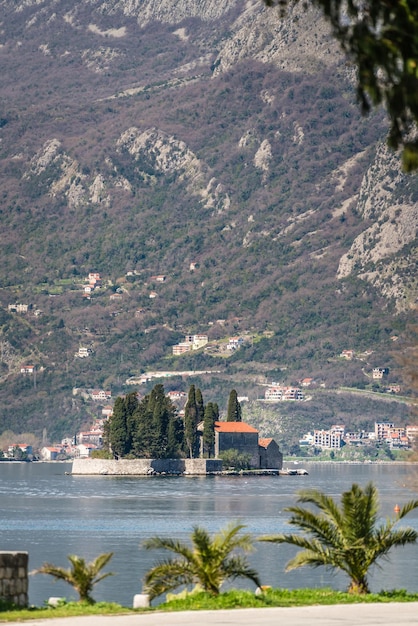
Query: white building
(327, 439)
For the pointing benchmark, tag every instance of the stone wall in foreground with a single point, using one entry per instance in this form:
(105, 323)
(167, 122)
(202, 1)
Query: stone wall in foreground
(14, 578)
(146, 467)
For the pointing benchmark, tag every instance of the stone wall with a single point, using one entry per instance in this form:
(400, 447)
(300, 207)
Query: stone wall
(146, 467)
(14, 578)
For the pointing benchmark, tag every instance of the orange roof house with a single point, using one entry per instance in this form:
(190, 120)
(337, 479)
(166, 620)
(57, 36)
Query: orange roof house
(264, 452)
(237, 436)
(270, 455)
(234, 427)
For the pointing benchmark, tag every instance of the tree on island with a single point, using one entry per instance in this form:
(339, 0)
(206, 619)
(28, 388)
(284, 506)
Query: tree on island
(200, 407)
(118, 432)
(234, 408)
(191, 439)
(149, 428)
(381, 40)
(210, 417)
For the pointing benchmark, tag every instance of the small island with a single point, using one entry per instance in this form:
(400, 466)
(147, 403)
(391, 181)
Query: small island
(148, 437)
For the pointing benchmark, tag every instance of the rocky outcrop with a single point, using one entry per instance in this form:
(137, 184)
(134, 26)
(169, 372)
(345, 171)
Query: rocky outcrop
(260, 33)
(387, 204)
(160, 153)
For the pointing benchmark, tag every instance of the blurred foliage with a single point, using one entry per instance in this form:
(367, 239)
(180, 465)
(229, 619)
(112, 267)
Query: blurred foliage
(381, 38)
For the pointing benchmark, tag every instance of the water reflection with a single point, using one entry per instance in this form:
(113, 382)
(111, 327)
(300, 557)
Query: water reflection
(51, 514)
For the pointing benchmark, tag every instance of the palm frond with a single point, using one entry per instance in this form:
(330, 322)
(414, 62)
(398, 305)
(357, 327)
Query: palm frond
(165, 543)
(348, 537)
(318, 525)
(167, 575)
(209, 562)
(407, 508)
(238, 567)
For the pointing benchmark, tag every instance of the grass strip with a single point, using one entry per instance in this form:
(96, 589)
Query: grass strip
(235, 599)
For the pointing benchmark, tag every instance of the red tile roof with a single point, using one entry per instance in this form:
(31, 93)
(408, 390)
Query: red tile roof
(234, 427)
(265, 442)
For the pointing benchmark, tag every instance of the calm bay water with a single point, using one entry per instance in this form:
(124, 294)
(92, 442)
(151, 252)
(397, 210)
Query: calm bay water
(50, 514)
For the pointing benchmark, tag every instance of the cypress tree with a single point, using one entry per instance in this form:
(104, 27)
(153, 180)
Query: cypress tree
(209, 430)
(174, 438)
(143, 437)
(200, 407)
(160, 417)
(118, 430)
(234, 408)
(190, 423)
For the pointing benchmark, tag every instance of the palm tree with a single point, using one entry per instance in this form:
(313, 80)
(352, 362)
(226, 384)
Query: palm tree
(82, 576)
(209, 562)
(349, 537)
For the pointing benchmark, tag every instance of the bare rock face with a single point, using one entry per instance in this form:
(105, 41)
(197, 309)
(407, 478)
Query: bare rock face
(165, 154)
(263, 35)
(167, 11)
(384, 201)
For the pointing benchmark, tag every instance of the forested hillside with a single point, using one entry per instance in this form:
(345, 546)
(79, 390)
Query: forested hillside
(210, 163)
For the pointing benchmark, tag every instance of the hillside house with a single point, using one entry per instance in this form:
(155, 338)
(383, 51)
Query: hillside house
(306, 382)
(382, 429)
(177, 395)
(379, 372)
(83, 352)
(328, 439)
(84, 450)
(100, 395)
(93, 278)
(26, 448)
(307, 440)
(411, 432)
(393, 389)
(19, 308)
(282, 394)
(292, 393)
(91, 436)
(107, 410)
(273, 394)
(347, 354)
(27, 369)
(161, 278)
(181, 348)
(191, 342)
(50, 453)
(234, 343)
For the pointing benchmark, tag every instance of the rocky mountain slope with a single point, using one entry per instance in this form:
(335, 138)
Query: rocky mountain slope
(212, 144)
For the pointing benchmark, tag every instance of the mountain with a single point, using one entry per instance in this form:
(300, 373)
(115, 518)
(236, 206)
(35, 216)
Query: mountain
(212, 156)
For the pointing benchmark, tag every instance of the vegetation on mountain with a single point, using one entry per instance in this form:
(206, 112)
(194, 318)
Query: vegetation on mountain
(350, 537)
(381, 39)
(81, 576)
(242, 178)
(208, 563)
